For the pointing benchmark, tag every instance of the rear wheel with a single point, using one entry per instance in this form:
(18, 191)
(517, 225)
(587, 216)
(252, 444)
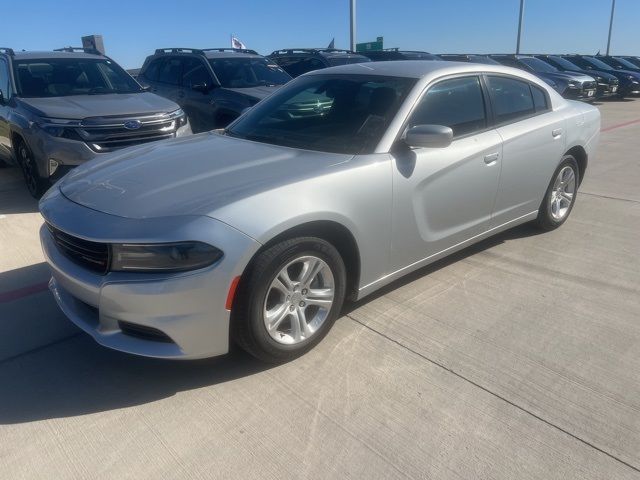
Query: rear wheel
(560, 196)
(289, 299)
(35, 183)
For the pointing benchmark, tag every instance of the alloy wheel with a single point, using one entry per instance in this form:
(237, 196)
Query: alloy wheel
(564, 189)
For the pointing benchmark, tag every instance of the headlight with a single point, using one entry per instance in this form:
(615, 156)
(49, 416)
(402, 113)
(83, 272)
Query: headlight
(180, 116)
(55, 126)
(574, 84)
(165, 257)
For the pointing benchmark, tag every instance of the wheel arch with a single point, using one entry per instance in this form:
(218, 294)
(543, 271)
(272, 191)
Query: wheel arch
(337, 235)
(580, 154)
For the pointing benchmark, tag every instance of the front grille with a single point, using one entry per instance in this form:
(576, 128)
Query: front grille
(91, 255)
(589, 85)
(107, 134)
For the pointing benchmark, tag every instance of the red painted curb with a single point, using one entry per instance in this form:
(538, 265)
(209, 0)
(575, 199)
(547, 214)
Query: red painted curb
(23, 292)
(626, 124)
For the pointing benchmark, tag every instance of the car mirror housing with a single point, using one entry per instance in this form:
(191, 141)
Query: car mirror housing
(429, 136)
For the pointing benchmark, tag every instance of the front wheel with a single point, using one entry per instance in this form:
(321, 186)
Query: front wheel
(289, 299)
(560, 196)
(35, 183)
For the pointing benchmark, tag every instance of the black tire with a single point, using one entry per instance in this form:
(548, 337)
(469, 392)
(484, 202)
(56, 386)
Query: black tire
(27, 162)
(247, 319)
(546, 219)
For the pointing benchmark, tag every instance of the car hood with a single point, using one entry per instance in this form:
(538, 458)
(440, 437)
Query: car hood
(78, 107)
(595, 73)
(195, 175)
(256, 92)
(569, 77)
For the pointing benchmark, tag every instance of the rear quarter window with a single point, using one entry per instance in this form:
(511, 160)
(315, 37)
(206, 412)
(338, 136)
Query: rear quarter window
(511, 99)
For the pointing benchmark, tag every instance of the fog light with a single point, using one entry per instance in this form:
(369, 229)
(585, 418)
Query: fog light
(53, 166)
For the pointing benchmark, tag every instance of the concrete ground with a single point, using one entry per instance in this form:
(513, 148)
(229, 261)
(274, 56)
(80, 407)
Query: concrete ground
(518, 358)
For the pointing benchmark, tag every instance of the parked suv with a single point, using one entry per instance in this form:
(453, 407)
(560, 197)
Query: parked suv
(296, 61)
(574, 86)
(59, 109)
(629, 79)
(396, 54)
(607, 84)
(212, 85)
(634, 60)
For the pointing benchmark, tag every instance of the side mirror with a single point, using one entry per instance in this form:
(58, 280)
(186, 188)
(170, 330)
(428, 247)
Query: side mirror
(201, 87)
(430, 136)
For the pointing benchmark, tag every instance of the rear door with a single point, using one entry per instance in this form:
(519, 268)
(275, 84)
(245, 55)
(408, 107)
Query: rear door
(197, 103)
(165, 77)
(533, 144)
(444, 196)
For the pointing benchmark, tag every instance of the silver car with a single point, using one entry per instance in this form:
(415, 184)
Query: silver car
(259, 232)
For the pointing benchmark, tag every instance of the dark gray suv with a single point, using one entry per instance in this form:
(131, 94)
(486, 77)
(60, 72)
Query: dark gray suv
(59, 109)
(212, 85)
(296, 61)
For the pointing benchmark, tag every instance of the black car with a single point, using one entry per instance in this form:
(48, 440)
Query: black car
(396, 54)
(212, 85)
(296, 61)
(633, 60)
(607, 84)
(618, 63)
(629, 80)
(470, 58)
(575, 86)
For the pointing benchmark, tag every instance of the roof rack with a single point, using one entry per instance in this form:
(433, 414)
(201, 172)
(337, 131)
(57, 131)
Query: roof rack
(92, 51)
(312, 50)
(7, 50)
(201, 51)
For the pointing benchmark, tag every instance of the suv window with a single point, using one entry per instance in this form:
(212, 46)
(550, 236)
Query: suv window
(195, 73)
(58, 77)
(302, 65)
(4, 80)
(457, 103)
(246, 72)
(151, 72)
(170, 71)
(511, 99)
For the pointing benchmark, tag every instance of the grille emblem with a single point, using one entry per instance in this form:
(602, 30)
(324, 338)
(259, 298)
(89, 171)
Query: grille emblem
(132, 124)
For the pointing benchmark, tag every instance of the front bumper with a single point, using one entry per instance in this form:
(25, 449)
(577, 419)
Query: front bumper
(182, 314)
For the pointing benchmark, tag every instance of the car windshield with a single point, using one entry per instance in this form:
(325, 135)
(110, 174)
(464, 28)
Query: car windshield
(624, 63)
(346, 59)
(330, 113)
(538, 65)
(62, 77)
(248, 72)
(564, 63)
(599, 64)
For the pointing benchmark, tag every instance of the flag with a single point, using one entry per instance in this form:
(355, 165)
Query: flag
(333, 43)
(236, 43)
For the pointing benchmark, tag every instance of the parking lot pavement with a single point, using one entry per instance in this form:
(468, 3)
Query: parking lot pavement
(517, 358)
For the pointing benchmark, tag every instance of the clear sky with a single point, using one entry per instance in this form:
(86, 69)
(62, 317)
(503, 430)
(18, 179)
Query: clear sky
(133, 29)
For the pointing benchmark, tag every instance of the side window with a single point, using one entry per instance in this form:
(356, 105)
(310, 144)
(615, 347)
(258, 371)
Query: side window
(511, 99)
(457, 103)
(171, 71)
(195, 73)
(151, 72)
(539, 99)
(4, 80)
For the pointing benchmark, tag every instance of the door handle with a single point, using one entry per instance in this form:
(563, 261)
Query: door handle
(491, 158)
(556, 133)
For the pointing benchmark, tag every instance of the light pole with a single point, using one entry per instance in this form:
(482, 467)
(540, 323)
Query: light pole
(613, 8)
(520, 26)
(353, 25)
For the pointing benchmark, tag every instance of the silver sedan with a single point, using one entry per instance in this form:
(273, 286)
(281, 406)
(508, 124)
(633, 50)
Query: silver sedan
(339, 183)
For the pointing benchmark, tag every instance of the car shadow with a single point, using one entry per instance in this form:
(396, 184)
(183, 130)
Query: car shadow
(75, 376)
(14, 196)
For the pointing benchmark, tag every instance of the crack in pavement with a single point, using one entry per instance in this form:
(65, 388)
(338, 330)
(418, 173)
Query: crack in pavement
(487, 390)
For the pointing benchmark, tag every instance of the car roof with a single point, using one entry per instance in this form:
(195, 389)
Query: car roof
(324, 52)
(417, 69)
(218, 52)
(49, 54)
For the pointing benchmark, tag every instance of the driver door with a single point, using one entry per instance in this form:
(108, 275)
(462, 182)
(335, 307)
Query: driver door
(444, 196)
